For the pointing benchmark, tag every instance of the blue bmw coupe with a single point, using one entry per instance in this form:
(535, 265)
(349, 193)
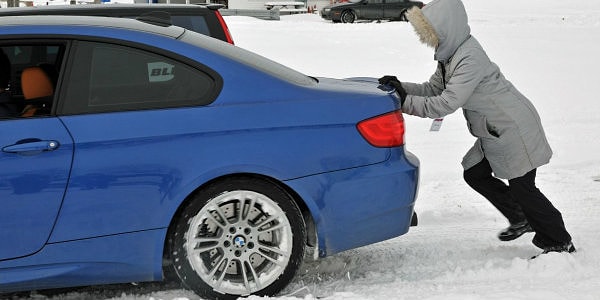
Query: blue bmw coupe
(131, 149)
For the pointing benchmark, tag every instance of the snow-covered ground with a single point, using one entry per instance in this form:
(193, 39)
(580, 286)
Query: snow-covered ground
(549, 50)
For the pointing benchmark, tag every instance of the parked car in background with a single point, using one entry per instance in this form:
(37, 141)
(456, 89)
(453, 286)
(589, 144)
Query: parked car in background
(205, 19)
(349, 12)
(150, 149)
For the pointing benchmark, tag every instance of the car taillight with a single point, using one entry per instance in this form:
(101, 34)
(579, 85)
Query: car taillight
(224, 26)
(386, 130)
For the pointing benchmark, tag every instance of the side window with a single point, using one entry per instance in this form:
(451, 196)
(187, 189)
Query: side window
(108, 77)
(30, 71)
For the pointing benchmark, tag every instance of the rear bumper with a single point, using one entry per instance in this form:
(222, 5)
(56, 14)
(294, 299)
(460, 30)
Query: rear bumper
(362, 206)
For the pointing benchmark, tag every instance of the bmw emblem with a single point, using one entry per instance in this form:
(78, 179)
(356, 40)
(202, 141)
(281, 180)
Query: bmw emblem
(239, 241)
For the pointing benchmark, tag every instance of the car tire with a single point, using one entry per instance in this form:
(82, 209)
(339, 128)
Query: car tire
(238, 237)
(348, 16)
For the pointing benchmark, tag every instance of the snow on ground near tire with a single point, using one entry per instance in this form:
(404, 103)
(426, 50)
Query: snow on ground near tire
(549, 50)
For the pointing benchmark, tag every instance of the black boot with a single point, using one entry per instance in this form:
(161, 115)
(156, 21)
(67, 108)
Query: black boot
(514, 231)
(567, 248)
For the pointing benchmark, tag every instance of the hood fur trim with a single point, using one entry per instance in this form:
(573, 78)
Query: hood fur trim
(422, 27)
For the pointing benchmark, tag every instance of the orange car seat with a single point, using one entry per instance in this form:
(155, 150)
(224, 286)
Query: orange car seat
(37, 87)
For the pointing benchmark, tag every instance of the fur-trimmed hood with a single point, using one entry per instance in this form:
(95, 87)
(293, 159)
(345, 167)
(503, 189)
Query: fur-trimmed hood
(442, 25)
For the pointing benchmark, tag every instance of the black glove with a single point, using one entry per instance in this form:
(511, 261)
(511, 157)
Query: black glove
(387, 79)
(393, 81)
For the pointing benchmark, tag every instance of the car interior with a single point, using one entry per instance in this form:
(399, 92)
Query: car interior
(34, 74)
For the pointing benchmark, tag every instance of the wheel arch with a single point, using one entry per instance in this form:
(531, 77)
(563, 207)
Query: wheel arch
(309, 224)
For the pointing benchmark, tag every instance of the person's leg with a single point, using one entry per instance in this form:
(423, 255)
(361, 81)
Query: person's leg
(480, 178)
(543, 217)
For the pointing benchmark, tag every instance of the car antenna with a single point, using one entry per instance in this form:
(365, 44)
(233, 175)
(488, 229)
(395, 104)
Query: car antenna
(159, 18)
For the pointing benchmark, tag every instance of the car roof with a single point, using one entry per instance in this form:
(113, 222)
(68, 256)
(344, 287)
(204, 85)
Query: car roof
(91, 21)
(117, 8)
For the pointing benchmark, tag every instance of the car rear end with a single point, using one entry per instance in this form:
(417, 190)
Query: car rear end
(338, 144)
(373, 200)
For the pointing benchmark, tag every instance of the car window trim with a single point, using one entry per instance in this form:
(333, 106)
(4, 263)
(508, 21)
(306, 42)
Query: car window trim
(68, 67)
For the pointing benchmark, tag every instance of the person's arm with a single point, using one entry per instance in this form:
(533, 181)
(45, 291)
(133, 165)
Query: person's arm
(433, 87)
(466, 76)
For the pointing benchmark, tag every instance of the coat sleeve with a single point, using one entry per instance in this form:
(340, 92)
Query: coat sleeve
(465, 71)
(433, 87)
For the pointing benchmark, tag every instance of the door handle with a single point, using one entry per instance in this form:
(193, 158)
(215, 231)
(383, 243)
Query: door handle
(32, 147)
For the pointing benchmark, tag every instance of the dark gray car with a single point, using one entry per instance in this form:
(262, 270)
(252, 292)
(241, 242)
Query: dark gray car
(349, 12)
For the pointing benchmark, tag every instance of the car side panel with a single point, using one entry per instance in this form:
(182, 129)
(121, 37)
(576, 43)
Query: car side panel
(373, 10)
(125, 172)
(388, 191)
(132, 257)
(394, 9)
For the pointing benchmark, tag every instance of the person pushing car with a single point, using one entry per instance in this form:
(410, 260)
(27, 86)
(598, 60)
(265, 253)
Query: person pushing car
(511, 143)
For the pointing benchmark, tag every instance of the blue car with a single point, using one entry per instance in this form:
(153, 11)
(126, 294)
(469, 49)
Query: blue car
(132, 149)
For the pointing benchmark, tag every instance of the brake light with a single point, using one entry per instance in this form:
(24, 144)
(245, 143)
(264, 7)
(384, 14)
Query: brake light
(386, 130)
(224, 26)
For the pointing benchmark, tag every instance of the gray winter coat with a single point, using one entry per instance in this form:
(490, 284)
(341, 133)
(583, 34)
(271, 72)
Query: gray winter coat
(508, 128)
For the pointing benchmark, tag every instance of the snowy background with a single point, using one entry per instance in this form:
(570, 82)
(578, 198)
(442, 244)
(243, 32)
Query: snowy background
(549, 49)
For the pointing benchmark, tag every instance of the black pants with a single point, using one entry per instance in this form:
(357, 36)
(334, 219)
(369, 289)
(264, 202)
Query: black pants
(520, 200)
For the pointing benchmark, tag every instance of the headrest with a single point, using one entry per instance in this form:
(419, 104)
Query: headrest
(35, 83)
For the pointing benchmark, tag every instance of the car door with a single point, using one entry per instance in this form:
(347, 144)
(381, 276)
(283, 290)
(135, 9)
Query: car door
(35, 161)
(35, 153)
(122, 105)
(371, 10)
